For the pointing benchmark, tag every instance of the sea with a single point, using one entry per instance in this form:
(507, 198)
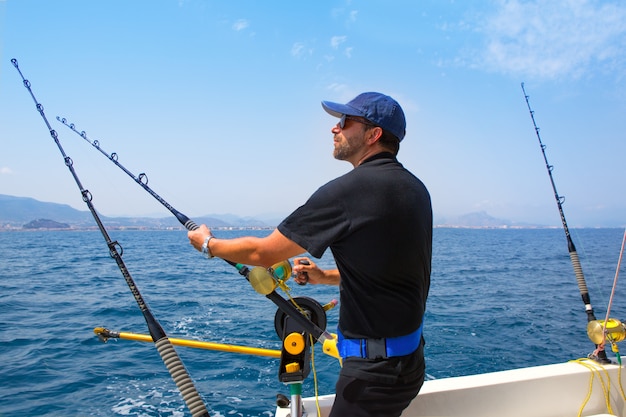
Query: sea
(500, 299)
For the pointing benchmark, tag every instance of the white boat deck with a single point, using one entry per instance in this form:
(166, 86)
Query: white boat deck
(558, 390)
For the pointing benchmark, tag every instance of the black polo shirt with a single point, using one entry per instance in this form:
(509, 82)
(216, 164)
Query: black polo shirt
(377, 221)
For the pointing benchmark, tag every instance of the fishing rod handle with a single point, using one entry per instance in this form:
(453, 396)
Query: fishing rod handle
(184, 220)
(181, 378)
(305, 274)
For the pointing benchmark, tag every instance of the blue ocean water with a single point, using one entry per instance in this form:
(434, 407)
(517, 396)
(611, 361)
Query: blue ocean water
(500, 299)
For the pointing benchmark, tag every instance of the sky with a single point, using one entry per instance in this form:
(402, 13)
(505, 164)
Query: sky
(218, 102)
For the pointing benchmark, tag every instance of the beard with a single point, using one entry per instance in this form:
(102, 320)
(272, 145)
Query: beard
(346, 149)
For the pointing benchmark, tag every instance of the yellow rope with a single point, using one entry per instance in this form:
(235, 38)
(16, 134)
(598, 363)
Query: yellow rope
(619, 380)
(317, 400)
(606, 388)
(283, 286)
(584, 404)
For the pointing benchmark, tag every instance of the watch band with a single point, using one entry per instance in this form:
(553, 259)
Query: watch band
(205, 246)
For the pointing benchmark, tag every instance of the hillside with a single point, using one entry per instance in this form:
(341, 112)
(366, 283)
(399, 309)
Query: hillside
(481, 220)
(20, 210)
(17, 212)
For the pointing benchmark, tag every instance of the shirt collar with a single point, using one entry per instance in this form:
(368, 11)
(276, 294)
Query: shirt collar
(379, 155)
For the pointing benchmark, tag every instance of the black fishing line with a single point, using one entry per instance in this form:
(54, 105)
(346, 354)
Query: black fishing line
(164, 346)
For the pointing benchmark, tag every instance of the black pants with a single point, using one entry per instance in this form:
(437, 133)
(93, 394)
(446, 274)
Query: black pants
(385, 392)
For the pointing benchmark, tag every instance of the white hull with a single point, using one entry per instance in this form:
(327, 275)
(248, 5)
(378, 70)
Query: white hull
(558, 390)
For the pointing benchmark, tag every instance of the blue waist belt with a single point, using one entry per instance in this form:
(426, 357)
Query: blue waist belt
(379, 348)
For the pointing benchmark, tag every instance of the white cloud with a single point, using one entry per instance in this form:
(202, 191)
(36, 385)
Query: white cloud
(337, 88)
(550, 39)
(335, 41)
(240, 24)
(297, 49)
(6, 171)
(336, 12)
(343, 13)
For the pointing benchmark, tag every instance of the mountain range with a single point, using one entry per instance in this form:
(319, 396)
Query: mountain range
(27, 213)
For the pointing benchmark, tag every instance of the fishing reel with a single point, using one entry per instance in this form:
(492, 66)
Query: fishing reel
(299, 323)
(295, 352)
(611, 330)
(266, 280)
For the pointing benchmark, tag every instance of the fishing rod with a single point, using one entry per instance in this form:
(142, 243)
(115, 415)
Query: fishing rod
(106, 334)
(578, 270)
(165, 348)
(260, 278)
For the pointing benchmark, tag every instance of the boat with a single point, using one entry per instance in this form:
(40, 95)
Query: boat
(576, 388)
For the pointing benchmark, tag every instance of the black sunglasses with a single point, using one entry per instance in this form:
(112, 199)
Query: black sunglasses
(342, 121)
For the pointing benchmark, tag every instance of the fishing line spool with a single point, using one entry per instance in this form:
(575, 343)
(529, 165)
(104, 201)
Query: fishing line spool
(611, 330)
(295, 352)
(265, 280)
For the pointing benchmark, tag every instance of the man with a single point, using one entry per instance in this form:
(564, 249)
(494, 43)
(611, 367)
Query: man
(377, 221)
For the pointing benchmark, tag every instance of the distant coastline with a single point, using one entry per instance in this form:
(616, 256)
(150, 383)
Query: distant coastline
(28, 214)
(40, 225)
(74, 228)
(178, 229)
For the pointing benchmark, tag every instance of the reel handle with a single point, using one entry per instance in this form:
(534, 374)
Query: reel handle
(306, 275)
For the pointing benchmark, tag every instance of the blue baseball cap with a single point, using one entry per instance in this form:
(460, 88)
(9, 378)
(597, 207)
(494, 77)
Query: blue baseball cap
(378, 108)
